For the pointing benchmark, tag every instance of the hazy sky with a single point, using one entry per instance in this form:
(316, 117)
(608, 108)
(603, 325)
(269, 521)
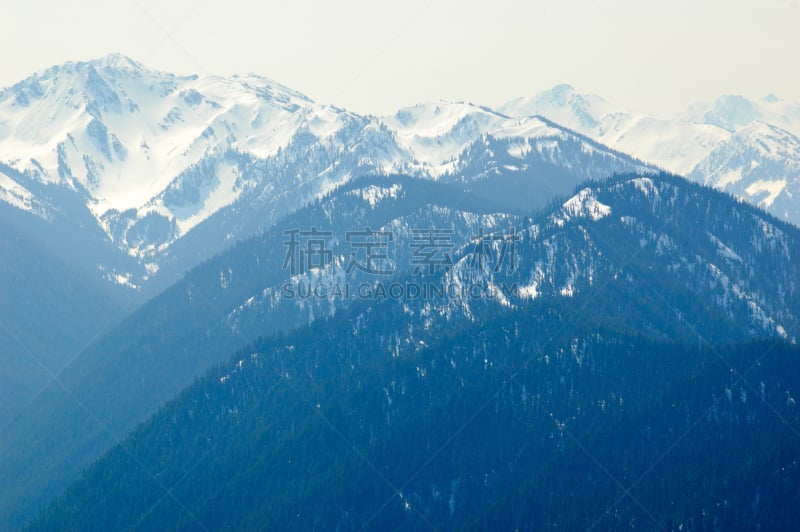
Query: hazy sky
(373, 57)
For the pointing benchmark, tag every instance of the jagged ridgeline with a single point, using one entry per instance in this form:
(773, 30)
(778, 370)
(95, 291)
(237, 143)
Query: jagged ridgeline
(157, 172)
(632, 300)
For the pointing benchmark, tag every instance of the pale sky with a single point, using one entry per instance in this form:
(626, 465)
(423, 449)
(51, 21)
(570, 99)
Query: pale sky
(374, 57)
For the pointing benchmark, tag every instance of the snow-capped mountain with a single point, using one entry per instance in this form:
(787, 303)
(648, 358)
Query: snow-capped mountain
(518, 162)
(760, 163)
(171, 169)
(745, 147)
(733, 112)
(147, 178)
(436, 134)
(525, 172)
(122, 133)
(152, 155)
(150, 173)
(675, 145)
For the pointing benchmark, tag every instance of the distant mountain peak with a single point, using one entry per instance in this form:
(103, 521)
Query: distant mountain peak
(564, 105)
(560, 93)
(153, 155)
(762, 127)
(729, 111)
(113, 62)
(116, 61)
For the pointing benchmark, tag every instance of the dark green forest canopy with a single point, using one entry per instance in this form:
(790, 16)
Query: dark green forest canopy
(526, 420)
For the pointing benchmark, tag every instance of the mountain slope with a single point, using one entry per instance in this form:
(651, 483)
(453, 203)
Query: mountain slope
(526, 172)
(734, 112)
(741, 146)
(170, 170)
(634, 242)
(356, 422)
(162, 347)
(759, 163)
(150, 155)
(48, 313)
(675, 145)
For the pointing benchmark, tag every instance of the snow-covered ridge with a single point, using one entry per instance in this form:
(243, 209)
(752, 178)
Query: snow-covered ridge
(153, 155)
(18, 196)
(675, 145)
(374, 194)
(746, 147)
(584, 204)
(759, 163)
(436, 133)
(124, 133)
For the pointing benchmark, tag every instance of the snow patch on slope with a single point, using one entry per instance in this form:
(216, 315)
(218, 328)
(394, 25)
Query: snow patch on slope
(374, 194)
(772, 189)
(584, 204)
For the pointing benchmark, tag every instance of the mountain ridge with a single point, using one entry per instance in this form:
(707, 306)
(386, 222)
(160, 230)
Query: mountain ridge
(633, 242)
(152, 156)
(698, 143)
